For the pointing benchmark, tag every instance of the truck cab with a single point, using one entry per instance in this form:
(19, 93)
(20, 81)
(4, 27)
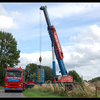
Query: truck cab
(14, 79)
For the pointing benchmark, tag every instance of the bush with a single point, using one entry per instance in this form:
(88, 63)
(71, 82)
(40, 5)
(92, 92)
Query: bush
(57, 89)
(76, 77)
(79, 92)
(60, 89)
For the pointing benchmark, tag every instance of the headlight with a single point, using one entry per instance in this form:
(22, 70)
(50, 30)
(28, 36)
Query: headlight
(6, 84)
(20, 85)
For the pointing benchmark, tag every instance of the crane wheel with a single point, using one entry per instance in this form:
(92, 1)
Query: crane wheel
(68, 87)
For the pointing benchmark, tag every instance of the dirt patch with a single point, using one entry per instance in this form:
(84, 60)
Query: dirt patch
(89, 85)
(92, 85)
(86, 83)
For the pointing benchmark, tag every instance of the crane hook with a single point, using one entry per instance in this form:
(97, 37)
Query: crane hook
(40, 59)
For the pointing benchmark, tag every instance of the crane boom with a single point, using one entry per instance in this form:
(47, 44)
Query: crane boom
(55, 42)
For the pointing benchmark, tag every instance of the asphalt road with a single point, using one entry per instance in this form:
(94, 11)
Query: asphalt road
(10, 94)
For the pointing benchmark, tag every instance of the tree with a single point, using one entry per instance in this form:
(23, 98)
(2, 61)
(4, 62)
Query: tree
(34, 76)
(1, 76)
(8, 52)
(76, 77)
(30, 72)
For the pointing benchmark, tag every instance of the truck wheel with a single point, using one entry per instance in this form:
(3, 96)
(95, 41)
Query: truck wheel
(21, 90)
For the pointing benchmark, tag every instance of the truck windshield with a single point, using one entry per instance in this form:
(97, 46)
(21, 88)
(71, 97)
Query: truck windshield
(14, 73)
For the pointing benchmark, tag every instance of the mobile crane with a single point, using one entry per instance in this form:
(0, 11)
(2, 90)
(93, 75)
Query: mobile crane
(57, 51)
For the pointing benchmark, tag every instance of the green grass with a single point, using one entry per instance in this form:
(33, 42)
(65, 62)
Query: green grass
(35, 93)
(1, 87)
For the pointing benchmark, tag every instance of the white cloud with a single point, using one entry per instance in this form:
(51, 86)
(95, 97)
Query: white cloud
(70, 9)
(96, 30)
(15, 13)
(34, 58)
(89, 46)
(90, 35)
(3, 11)
(7, 23)
(6, 20)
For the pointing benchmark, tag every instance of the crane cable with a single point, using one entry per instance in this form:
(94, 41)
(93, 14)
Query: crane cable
(40, 59)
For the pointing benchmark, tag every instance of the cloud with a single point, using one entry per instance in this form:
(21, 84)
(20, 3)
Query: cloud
(6, 20)
(83, 55)
(88, 36)
(34, 58)
(72, 9)
(3, 11)
(7, 23)
(15, 13)
(96, 30)
(88, 47)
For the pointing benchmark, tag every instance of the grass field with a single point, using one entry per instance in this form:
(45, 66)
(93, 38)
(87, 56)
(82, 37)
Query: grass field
(35, 93)
(58, 91)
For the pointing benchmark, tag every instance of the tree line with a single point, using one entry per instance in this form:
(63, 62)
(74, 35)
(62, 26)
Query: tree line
(94, 79)
(30, 73)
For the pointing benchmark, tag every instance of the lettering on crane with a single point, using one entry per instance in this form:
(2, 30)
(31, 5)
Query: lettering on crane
(67, 78)
(57, 43)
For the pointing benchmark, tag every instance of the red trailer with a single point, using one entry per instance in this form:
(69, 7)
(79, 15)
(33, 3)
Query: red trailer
(30, 84)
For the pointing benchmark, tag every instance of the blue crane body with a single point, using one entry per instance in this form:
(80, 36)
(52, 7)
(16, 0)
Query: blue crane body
(60, 61)
(66, 79)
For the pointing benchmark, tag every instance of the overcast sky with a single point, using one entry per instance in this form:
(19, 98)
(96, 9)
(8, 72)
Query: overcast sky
(77, 26)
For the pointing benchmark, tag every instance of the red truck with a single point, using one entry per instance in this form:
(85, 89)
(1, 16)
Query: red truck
(14, 79)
